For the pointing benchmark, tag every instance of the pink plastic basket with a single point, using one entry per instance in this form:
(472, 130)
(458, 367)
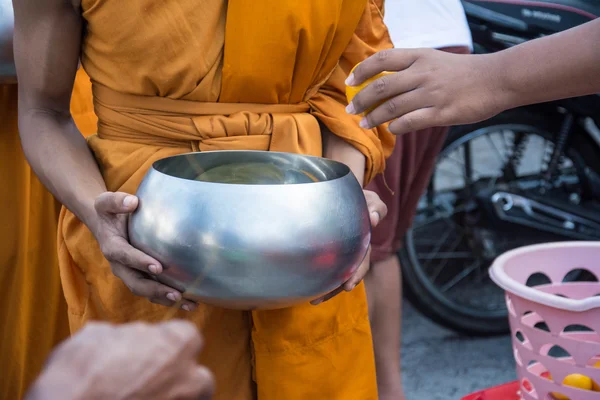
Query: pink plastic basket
(555, 326)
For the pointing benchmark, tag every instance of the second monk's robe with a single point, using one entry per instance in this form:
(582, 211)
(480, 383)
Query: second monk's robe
(33, 312)
(171, 77)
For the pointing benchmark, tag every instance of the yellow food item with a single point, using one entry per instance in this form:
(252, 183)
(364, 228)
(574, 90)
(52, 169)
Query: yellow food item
(595, 386)
(577, 381)
(352, 91)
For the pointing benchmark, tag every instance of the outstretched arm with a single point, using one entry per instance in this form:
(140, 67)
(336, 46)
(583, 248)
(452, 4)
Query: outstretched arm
(433, 88)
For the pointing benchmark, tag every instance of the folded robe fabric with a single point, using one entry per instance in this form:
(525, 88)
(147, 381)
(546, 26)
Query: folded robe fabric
(33, 312)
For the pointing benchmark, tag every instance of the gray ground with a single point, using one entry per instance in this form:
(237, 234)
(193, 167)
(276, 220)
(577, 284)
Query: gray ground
(438, 364)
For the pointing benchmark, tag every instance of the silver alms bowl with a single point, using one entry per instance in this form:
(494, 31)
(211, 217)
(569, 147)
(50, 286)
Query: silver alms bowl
(252, 229)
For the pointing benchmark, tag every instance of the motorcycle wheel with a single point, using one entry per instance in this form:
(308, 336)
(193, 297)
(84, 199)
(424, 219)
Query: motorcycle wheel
(445, 260)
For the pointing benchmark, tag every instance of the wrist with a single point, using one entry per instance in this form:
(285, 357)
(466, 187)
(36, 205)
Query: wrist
(335, 148)
(504, 92)
(89, 217)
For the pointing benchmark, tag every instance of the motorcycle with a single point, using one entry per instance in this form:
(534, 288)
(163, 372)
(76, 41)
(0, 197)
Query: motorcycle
(529, 175)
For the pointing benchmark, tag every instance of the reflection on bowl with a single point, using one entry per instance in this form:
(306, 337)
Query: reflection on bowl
(251, 229)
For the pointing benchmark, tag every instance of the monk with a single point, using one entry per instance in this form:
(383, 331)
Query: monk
(171, 77)
(33, 312)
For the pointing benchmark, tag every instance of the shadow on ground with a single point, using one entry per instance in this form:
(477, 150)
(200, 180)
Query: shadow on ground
(438, 364)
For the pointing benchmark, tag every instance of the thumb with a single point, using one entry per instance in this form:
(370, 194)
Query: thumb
(377, 208)
(386, 60)
(116, 203)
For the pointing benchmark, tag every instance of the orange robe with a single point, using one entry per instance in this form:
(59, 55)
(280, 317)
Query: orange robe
(174, 76)
(33, 312)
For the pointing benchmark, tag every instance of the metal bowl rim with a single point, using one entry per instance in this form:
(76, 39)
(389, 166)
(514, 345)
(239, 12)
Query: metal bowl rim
(347, 169)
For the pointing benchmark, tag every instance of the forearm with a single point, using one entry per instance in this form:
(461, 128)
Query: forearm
(59, 155)
(47, 46)
(551, 68)
(337, 149)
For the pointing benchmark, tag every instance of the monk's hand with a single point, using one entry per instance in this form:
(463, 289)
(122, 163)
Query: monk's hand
(132, 361)
(377, 211)
(132, 266)
(430, 88)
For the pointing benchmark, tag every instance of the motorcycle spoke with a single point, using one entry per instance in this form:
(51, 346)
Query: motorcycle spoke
(467, 166)
(443, 217)
(438, 246)
(505, 141)
(495, 148)
(446, 255)
(424, 242)
(458, 278)
(443, 264)
(543, 161)
(453, 173)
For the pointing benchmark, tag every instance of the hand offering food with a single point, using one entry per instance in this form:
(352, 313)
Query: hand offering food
(352, 91)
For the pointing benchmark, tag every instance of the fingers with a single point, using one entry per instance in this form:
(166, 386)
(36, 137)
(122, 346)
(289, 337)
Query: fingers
(197, 382)
(91, 332)
(206, 383)
(415, 121)
(360, 273)
(139, 284)
(95, 329)
(381, 89)
(387, 60)
(396, 107)
(128, 263)
(351, 283)
(377, 208)
(115, 203)
(328, 296)
(184, 333)
(117, 250)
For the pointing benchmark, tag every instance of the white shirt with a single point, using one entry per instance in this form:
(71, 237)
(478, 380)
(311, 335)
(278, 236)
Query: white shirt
(427, 23)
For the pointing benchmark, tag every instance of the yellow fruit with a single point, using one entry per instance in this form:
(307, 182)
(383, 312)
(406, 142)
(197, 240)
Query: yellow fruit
(559, 396)
(352, 91)
(577, 381)
(595, 386)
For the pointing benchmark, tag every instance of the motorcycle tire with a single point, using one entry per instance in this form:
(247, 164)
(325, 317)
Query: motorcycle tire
(420, 291)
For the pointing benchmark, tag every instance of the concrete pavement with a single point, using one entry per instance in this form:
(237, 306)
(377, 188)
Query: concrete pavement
(438, 364)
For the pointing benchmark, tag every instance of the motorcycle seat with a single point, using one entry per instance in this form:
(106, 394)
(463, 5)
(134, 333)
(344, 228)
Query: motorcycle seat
(545, 16)
(590, 8)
